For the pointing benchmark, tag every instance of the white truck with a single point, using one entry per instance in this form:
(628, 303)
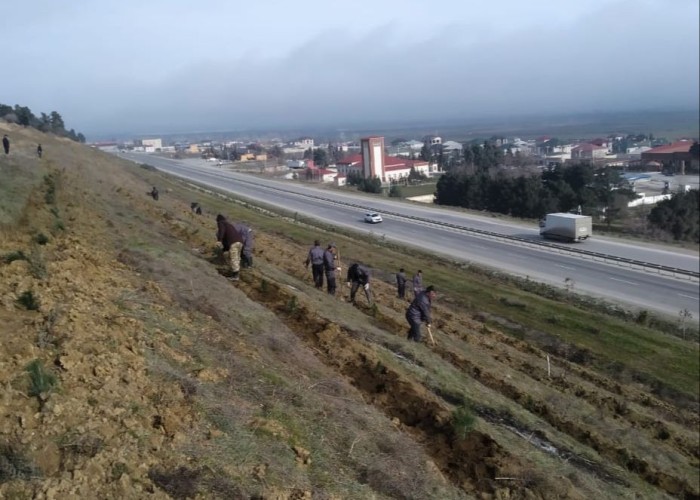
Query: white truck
(566, 227)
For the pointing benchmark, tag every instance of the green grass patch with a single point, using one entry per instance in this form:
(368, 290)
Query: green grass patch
(463, 421)
(419, 190)
(15, 195)
(41, 380)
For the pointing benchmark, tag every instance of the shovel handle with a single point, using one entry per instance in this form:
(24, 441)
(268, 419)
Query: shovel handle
(430, 334)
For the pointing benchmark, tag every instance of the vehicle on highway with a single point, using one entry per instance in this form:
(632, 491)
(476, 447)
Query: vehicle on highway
(373, 218)
(566, 227)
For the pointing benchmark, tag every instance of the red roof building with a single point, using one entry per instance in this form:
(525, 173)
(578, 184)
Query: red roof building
(675, 157)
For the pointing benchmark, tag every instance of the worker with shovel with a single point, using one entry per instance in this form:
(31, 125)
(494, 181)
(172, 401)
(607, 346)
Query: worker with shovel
(358, 277)
(331, 264)
(419, 311)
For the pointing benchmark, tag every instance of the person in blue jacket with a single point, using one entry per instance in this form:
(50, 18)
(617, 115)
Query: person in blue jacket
(419, 311)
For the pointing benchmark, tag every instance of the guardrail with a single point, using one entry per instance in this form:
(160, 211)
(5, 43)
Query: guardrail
(636, 264)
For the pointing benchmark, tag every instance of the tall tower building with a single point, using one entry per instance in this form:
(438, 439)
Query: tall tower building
(373, 157)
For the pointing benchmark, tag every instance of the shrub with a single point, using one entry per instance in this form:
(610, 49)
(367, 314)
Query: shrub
(178, 483)
(29, 301)
(395, 192)
(14, 464)
(13, 256)
(41, 380)
(292, 305)
(37, 267)
(41, 239)
(463, 421)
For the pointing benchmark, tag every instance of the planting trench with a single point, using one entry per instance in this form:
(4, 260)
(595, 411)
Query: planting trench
(472, 463)
(614, 407)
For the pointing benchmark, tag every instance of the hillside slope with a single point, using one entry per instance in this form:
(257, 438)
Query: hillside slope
(132, 368)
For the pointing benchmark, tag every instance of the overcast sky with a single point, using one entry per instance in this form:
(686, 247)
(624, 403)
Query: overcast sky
(159, 66)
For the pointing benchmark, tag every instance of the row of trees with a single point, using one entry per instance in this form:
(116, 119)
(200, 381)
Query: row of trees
(324, 157)
(373, 185)
(679, 216)
(53, 122)
(557, 189)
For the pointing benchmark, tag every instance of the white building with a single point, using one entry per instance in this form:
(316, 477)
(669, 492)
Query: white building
(152, 145)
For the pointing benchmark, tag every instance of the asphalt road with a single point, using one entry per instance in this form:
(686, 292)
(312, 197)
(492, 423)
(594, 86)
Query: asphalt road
(627, 286)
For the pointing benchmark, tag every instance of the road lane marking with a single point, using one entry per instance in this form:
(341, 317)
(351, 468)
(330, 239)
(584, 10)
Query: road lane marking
(566, 267)
(625, 281)
(688, 296)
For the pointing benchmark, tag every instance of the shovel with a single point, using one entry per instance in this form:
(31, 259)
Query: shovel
(430, 335)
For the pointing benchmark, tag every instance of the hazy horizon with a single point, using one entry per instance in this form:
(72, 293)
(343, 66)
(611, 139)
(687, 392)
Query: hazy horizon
(169, 67)
(670, 124)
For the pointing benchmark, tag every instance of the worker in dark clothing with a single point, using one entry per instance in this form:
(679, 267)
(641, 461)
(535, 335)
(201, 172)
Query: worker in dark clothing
(154, 193)
(232, 241)
(401, 283)
(358, 276)
(247, 249)
(39, 150)
(6, 144)
(330, 266)
(417, 283)
(419, 311)
(315, 258)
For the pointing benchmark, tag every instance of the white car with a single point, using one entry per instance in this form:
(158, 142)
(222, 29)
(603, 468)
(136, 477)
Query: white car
(373, 217)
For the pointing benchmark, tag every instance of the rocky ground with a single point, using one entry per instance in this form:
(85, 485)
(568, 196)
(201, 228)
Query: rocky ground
(131, 368)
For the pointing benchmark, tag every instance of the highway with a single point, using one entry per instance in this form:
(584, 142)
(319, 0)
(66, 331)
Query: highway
(425, 226)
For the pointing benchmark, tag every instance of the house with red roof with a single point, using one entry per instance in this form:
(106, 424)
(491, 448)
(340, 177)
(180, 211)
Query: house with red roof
(675, 157)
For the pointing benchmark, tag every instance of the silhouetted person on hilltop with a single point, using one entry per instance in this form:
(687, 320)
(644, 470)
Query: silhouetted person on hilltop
(39, 151)
(6, 144)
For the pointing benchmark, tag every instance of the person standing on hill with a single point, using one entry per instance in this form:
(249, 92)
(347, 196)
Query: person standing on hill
(315, 258)
(417, 283)
(6, 144)
(154, 193)
(420, 311)
(330, 267)
(39, 151)
(358, 276)
(232, 241)
(401, 283)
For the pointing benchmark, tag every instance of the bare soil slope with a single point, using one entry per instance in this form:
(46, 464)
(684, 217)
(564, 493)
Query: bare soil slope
(132, 368)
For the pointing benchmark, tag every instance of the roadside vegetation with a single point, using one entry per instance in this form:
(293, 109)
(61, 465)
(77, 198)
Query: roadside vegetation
(152, 375)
